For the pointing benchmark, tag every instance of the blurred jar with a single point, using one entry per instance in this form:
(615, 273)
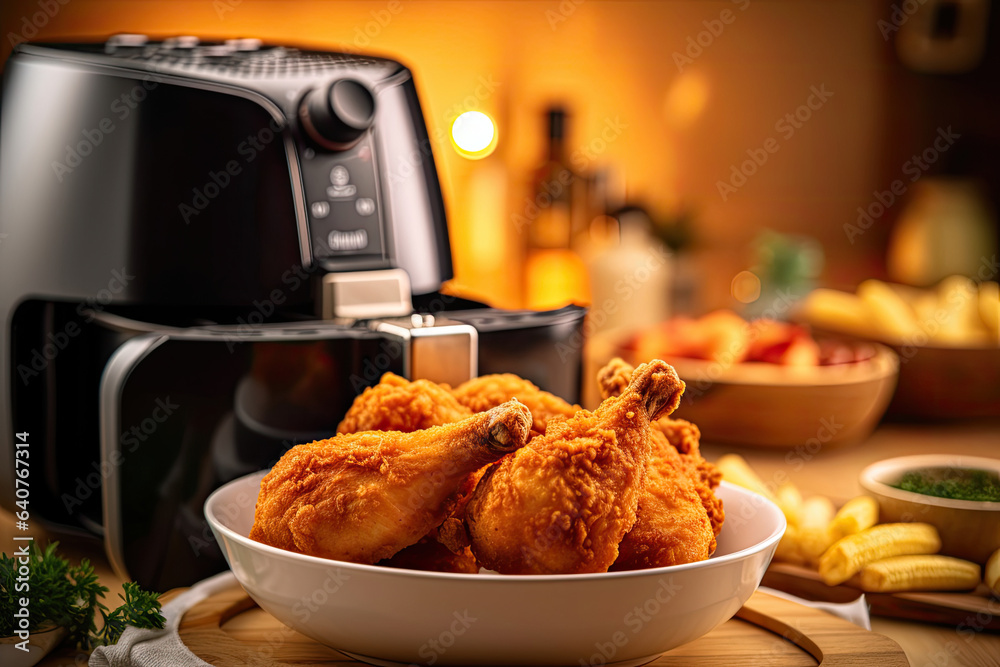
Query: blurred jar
(946, 229)
(630, 282)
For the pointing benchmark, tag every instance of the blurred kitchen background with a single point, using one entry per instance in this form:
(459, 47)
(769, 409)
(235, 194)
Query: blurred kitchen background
(690, 125)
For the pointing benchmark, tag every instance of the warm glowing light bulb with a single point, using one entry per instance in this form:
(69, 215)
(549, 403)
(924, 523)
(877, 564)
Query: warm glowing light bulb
(474, 134)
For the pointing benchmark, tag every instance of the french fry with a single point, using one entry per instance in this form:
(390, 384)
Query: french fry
(992, 574)
(958, 318)
(736, 470)
(919, 573)
(956, 312)
(848, 555)
(814, 527)
(837, 311)
(790, 501)
(925, 305)
(856, 515)
(788, 548)
(907, 293)
(893, 316)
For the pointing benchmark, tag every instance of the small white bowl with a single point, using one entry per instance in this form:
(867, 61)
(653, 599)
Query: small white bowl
(388, 616)
(969, 529)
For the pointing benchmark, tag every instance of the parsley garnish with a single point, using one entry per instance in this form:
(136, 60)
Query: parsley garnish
(955, 483)
(70, 597)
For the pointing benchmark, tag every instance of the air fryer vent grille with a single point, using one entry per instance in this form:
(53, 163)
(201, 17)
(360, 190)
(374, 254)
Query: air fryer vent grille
(266, 63)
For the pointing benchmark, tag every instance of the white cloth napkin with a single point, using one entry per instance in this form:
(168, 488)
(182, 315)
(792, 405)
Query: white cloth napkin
(162, 648)
(856, 612)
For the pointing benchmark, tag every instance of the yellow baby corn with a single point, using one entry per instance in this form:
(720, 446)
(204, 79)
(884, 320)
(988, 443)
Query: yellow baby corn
(849, 554)
(735, 469)
(856, 515)
(924, 573)
(992, 577)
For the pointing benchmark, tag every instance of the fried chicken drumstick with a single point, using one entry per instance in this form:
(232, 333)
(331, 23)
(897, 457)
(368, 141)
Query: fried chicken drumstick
(397, 404)
(563, 503)
(362, 497)
(678, 516)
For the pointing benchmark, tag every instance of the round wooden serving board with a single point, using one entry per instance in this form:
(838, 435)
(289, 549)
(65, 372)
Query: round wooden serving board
(228, 628)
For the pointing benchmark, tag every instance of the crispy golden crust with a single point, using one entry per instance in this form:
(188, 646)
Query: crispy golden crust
(563, 503)
(614, 377)
(396, 404)
(684, 437)
(679, 515)
(482, 393)
(362, 497)
(672, 525)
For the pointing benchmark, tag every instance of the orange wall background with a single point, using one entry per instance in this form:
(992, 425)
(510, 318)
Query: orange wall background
(674, 134)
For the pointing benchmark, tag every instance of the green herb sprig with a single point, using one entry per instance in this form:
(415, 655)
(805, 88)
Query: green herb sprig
(70, 597)
(141, 609)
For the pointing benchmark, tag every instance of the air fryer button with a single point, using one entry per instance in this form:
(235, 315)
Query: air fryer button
(338, 115)
(215, 50)
(341, 191)
(126, 40)
(353, 240)
(364, 206)
(181, 42)
(244, 44)
(320, 209)
(339, 175)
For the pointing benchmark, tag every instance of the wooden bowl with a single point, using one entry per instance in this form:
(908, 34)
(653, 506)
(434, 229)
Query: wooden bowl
(947, 382)
(968, 529)
(940, 381)
(767, 405)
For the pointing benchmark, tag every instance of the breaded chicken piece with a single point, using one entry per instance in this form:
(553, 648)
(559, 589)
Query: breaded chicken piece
(396, 404)
(362, 497)
(679, 515)
(486, 391)
(563, 503)
(672, 525)
(685, 437)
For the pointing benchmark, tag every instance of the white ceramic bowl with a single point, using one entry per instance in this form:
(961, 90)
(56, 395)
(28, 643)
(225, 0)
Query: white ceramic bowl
(389, 616)
(969, 529)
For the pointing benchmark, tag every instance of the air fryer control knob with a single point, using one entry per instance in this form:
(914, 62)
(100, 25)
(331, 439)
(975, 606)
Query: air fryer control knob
(336, 116)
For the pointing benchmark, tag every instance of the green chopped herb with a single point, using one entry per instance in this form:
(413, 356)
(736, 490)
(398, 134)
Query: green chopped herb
(954, 483)
(69, 596)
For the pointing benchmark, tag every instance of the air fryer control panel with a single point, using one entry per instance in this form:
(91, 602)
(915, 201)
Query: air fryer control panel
(345, 211)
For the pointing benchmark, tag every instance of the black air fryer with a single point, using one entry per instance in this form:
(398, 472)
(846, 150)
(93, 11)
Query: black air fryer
(206, 251)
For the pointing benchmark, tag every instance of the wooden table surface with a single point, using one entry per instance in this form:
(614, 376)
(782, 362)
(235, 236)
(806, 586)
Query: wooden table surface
(832, 472)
